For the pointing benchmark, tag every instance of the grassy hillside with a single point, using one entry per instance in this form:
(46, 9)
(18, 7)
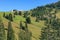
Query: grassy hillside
(34, 27)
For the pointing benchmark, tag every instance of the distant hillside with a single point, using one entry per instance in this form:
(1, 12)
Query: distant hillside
(42, 9)
(53, 5)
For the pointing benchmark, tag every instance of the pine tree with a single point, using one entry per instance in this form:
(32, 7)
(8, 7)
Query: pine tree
(21, 26)
(20, 13)
(25, 34)
(4, 14)
(2, 31)
(7, 16)
(21, 35)
(22, 32)
(28, 20)
(15, 12)
(26, 26)
(10, 17)
(37, 19)
(10, 32)
(28, 33)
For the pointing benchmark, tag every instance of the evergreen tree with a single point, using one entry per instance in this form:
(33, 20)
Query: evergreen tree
(22, 32)
(15, 12)
(4, 14)
(26, 26)
(37, 19)
(2, 31)
(28, 20)
(21, 35)
(10, 17)
(21, 26)
(20, 13)
(25, 34)
(26, 14)
(28, 33)
(10, 32)
(7, 16)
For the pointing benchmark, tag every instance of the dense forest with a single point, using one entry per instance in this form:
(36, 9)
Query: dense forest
(41, 23)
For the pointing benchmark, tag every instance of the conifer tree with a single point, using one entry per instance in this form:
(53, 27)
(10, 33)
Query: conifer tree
(10, 32)
(2, 31)
(25, 34)
(28, 33)
(26, 26)
(10, 17)
(4, 14)
(28, 20)
(20, 13)
(37, 19)
(15, 12)
(20, 25)
(22, 32)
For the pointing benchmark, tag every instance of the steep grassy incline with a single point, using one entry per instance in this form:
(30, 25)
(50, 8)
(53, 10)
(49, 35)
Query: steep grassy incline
(33, 28)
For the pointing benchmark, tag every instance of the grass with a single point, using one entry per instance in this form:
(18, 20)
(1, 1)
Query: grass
(18, 18)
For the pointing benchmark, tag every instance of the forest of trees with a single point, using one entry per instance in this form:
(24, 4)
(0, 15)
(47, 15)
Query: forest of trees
(51, 32)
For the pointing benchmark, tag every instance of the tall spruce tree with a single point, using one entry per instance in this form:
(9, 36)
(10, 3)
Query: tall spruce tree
(20, 24)
(28, 20)
(10, 32)
(37, 19)
(28, 34)
(2, 31)
(22, 32)
(20, 13)
(4, 14)
(10, 17)
(25, 34)
(26, 26)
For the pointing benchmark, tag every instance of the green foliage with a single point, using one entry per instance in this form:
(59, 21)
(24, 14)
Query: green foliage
(4, 14)
(51, 32)
(28, 20)
(10, 17)
(10, 32)
(25, 14)
(2, 31)
(20, 13)
(37, 19)
(28, 34)
(21, 25)
(15, 12)
(25, 34)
